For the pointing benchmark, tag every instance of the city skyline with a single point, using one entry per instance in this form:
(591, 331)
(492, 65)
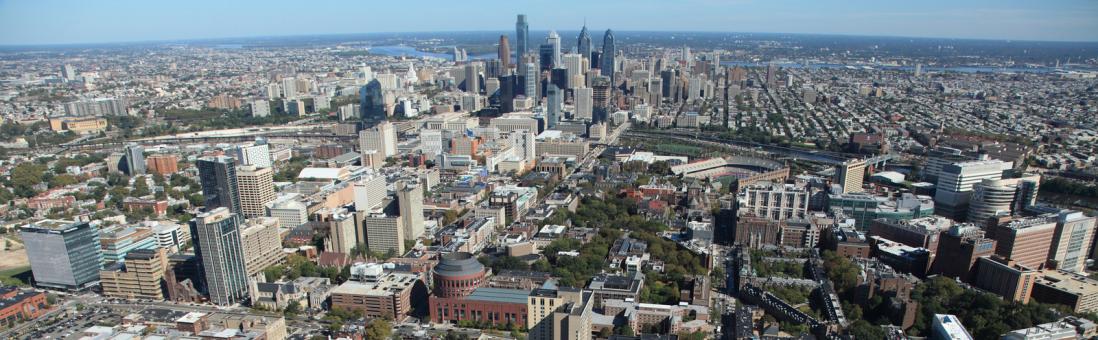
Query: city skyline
(39, 23)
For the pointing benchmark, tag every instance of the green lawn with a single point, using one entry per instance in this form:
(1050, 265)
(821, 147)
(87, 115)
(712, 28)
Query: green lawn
(16, 276)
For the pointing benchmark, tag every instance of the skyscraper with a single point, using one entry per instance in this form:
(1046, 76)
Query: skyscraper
(555, 100)
(472, 77)
(410, 200)
(220, 252)
(504, 52)
(219, 187)
(609, 53)
(135, 160)
(68, 73)
(583, 45)
(256, 188)
(63, 254)
(258, 154)
(531, 79)
(583, 110)
(522, 38)
(771, 74)
(554, 41)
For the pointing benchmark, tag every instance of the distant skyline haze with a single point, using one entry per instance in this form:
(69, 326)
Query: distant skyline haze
(45, 22)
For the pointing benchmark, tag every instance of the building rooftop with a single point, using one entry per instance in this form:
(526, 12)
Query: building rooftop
(458, 264)
(53, 226)
(1068, 282)
(499, 295)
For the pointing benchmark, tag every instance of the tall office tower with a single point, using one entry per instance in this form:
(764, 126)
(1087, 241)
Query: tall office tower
(381, 137)
(135, 160)
(559, 77)
(554, 41)
(583, 100)
(507, 93)
(918, 70)
(68, 73)
(273, 91)
(531, 79)
(472, 77)
(609, 53)
(63, 254)
(850, 175)
(600, 99)
(1001, 197)
(258, 154)
(457, 55)
(289, 88)
(583, 45)
(545, 57)
(956, 182)
(256, 188)
(372, 101)
(555, 101)
(573, 62)
(771, 74)
(1072, 244)
(666, 77)
(727, 104)
(410, 200)
(522, 38)
(504, 52)
(686, 57)
(217, 174)
(220, 252)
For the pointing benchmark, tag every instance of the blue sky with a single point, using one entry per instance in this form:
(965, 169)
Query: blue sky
(91, 21)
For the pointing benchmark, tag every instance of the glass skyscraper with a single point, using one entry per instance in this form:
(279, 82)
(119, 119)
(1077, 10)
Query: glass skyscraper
(63, 254)
(218, 178)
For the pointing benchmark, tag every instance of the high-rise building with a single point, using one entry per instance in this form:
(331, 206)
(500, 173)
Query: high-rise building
(140, 276)
(219, 184)
(609, 52)
(531, 82)
(257, 154)
(220, 252)
(562, 313)
(381, 137)
(851, 175)
(956, 182)
(256, 188)
(553, 110)
(600, 99)
(999, 197)
(162, 164)
(522, 38)
(384, 233)
(410, 199)
(63, 254)
(261, 243)
(584, 101)
(775, 201)
(1026, 240)
(342, 237)
(135, 160)
(472, 77)
(959, 249)
(289, 88)
(583, 43)
(1072, 242)
(554, 41)
(68, 73)
(504, 52)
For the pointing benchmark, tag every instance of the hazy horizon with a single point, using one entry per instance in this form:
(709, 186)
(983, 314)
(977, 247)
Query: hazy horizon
(71, 22)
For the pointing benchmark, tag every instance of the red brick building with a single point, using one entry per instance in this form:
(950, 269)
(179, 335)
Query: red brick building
(496, 306)
(17, 306)
(162, 164)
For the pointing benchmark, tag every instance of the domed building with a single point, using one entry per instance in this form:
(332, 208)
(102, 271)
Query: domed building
(457, 275)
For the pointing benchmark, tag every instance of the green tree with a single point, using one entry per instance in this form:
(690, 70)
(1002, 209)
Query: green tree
(292, 309)
(379, 329)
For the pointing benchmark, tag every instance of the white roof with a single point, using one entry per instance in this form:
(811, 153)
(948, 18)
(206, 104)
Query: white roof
(320, 173)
